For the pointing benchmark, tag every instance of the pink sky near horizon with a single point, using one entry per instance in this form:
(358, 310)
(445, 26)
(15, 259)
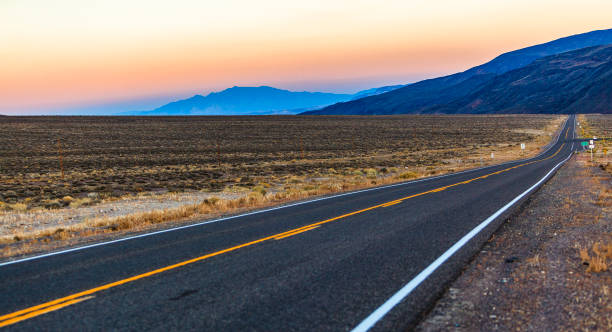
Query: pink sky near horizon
(69, 53)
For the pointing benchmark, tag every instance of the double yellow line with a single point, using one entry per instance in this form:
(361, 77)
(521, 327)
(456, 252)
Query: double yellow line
(53, 305)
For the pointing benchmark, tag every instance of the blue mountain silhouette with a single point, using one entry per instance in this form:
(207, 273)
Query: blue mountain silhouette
(248, 100)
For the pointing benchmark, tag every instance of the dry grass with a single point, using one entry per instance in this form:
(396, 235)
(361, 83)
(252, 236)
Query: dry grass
(534, 261)
(5, 207)
(597, 259)
(604, 198)
(408, 175)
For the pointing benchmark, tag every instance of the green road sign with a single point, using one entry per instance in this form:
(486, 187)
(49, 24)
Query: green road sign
(584, 143)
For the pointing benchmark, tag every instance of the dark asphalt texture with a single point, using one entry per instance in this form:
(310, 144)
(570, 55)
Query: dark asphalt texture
(326, 279)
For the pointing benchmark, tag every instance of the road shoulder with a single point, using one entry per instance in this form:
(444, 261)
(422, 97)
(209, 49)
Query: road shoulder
(530, 274)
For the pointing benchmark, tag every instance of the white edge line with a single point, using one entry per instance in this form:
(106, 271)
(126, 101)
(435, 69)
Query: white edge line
(271, 209)
(379, 313)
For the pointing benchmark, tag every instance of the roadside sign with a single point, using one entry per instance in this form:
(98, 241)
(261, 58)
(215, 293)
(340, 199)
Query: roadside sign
(585, 143)
(492, 155)
(522, 146)
(591, 142)
(591, 146)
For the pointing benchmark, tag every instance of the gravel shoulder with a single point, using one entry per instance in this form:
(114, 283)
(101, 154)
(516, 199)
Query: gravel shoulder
(530, 275)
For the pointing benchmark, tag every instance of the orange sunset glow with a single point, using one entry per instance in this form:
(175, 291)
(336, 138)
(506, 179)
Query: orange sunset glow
(64, 54)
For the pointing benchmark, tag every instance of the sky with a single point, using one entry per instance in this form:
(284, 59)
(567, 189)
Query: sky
(84, 56)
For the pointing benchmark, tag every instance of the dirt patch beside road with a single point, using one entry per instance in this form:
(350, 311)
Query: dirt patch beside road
(530, 275)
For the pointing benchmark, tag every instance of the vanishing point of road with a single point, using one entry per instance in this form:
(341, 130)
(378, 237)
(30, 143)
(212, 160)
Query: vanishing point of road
(368, 260)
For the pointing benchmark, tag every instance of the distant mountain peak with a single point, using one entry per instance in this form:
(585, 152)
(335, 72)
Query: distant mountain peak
(253, 100)
(248, 101)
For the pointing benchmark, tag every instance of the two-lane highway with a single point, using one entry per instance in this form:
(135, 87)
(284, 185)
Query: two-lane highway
(374, 258)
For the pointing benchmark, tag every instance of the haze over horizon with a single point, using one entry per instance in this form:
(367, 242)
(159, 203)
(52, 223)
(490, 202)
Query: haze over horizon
(86, 56)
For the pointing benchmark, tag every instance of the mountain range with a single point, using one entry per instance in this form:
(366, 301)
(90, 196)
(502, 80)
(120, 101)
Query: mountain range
(256, 101)
(534, 79)
(473, 90)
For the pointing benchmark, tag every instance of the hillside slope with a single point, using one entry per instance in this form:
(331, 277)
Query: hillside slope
(376, 91)
(573, 82)
(419, 97)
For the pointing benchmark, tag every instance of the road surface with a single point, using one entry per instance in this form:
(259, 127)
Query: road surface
(372, 259)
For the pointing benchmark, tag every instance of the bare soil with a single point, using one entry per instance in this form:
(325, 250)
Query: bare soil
(118, 156)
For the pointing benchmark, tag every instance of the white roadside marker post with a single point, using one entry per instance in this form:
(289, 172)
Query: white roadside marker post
(522, 148)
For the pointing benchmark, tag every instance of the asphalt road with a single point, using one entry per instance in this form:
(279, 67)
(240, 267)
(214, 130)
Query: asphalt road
(371, 259)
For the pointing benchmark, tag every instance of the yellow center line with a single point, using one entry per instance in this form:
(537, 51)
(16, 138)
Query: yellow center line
(295, 233)
(43, 311)
(391, 203)
(78, 297)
